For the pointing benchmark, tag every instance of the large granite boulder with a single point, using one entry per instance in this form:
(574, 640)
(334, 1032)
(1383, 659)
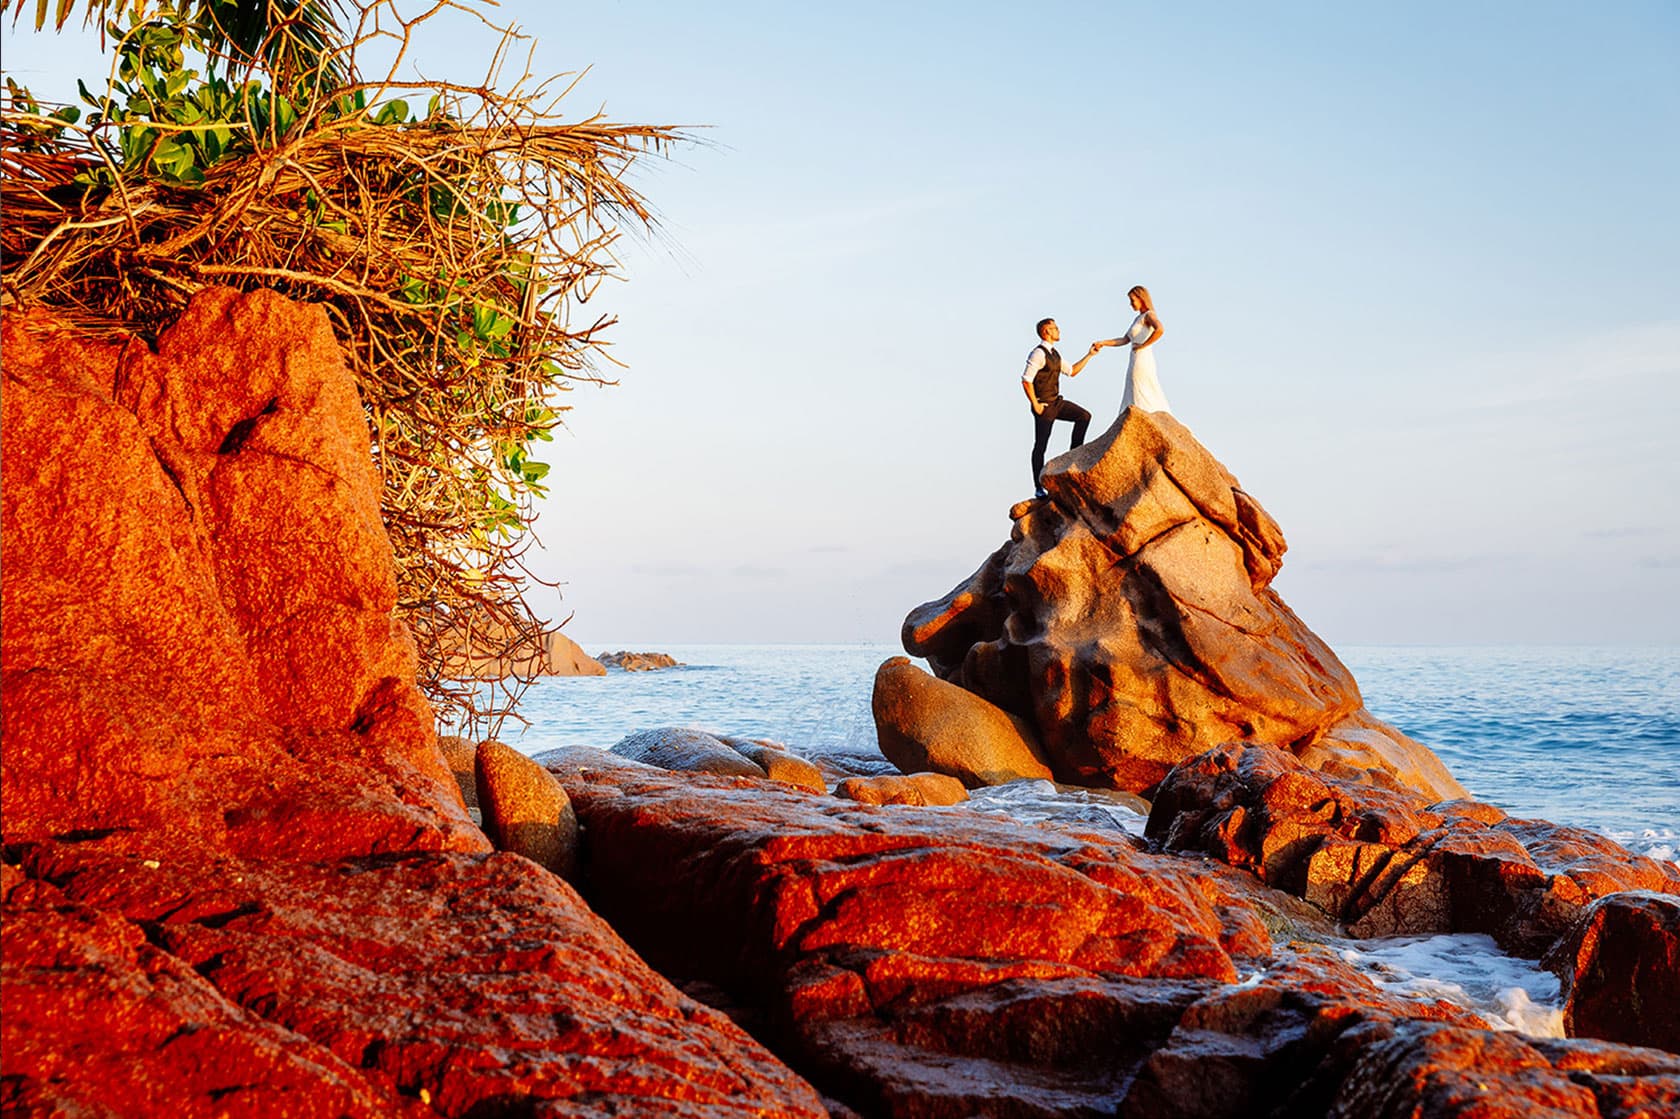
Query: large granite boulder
(1131, 622)
(923, 723)
(238, 877)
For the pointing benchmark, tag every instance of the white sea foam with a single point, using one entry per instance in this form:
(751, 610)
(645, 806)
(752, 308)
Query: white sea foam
(1654, 843)
(1467, 969)
(1034, 802)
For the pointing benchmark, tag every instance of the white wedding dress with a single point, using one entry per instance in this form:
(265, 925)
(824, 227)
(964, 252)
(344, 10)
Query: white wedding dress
(1143, 388)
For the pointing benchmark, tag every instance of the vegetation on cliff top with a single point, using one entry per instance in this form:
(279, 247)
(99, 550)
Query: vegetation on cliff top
(453, 232)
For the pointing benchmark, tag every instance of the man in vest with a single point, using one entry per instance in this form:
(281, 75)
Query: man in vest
(1042, 382)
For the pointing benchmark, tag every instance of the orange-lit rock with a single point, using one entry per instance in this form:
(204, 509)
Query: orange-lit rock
(198, 595)
(924, 724)
(1387, 862)
(1442, 1071)
(918, 964)
(1621, 963)
(1130, 620)
(239, 876)
(911, 788)
(525, 809)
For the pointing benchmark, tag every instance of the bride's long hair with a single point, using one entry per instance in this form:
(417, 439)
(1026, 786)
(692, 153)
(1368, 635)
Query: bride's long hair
(1142, 293)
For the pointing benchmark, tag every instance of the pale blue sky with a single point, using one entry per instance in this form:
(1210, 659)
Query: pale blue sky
(1419, 266)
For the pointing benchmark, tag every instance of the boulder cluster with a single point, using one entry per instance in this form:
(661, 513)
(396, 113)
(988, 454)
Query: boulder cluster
(1129, 623)
(241, 876)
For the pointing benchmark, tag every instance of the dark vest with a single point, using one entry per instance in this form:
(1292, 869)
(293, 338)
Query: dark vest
(1047, 382)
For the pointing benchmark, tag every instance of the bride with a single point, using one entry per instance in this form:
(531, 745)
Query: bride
(1143, 389)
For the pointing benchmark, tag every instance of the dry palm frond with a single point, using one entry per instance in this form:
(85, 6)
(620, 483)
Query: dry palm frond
(456, 316)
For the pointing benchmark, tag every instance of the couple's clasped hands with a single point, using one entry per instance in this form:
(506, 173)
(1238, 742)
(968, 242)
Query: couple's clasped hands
(1095, 346)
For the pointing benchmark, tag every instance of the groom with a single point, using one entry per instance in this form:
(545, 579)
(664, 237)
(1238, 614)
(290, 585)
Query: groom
(1042, 381)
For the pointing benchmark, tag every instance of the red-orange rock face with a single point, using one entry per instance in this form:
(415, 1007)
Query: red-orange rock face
(198, 594)
(238, 878)
(1388, 862)
(1446, 1072)
(358, 987)
(1622, 964)
(1131, 621)
(928, 962)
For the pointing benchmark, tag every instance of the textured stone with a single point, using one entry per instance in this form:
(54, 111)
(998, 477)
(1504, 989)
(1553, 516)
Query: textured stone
(1621, 965)
(1448, 1072)
(414, 985)
(1131, 623)
(778, 764)
(924, 724)
(686, 749)
(462, 758)
(914, 788)
(526, 811)
(1386, 861)
(198, 603)
(918, 964)
(241, 879)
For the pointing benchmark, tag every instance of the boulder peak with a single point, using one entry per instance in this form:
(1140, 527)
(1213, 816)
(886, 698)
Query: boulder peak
(1130, 619)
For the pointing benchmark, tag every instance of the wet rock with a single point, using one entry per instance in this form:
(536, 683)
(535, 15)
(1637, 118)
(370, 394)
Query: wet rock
(686, 749)
(1621, 965)
(1428, 1069)
(638, 662)
(914, 964)
(526, 811)
(924, 724)
(778, 764)
(1386, 861)
(1130, 620)
(914, 788)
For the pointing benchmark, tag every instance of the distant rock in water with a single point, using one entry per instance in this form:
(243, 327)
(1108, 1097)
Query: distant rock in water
(495, 653)
(1130, 621)
(638, 662)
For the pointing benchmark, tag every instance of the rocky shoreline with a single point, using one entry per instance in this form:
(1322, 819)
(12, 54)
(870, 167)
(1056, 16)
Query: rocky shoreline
(241, 877)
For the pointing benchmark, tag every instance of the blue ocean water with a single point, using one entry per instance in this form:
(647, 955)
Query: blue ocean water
(1588, 736)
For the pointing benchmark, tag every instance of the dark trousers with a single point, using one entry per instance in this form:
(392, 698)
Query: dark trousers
(1059, 409)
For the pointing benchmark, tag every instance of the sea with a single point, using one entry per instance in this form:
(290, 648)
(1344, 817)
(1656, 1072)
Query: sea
(1580, 735)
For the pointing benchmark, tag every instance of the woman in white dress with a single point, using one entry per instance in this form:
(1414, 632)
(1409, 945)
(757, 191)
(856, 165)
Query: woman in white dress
(1143, 388)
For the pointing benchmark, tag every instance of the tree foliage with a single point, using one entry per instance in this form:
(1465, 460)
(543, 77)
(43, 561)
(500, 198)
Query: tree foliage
(454, 232)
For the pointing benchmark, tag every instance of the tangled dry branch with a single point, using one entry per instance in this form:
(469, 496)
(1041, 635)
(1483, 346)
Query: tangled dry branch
(456, 251)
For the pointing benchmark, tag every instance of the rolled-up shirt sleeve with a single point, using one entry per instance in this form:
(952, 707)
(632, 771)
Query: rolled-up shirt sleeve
(1035, 362)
